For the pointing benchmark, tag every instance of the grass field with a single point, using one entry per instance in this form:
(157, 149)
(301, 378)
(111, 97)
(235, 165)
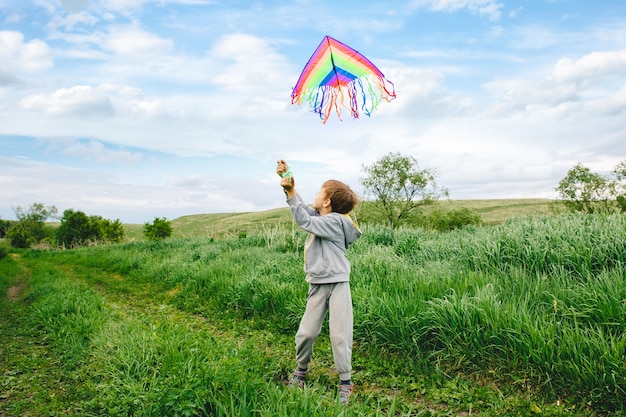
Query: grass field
(522, 318)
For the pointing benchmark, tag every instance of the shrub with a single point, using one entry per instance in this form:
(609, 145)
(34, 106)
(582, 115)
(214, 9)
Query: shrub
(454, 219)
(160, 228)
(30, 227)
(111, 231)
(77, 229)
(5, 225)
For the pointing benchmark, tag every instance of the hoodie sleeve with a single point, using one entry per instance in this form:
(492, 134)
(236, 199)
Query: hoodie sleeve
(310, 210)
(326, 227)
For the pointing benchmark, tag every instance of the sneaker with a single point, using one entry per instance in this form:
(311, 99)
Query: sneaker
(344, 392)
(298, 378)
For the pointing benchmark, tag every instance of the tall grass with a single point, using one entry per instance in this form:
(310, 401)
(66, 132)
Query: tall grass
(69, 314)
(536, 298)
(153, 360)
(538, 302)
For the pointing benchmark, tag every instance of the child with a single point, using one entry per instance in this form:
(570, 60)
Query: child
(331, 231)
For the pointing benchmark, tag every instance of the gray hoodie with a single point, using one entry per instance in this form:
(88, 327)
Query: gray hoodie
(329, 236)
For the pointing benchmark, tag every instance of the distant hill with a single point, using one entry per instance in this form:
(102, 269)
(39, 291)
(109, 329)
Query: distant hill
(220, 225)
(496, 211)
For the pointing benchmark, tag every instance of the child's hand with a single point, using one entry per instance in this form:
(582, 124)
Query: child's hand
(288, 183)
(281, 167)
(286, 177)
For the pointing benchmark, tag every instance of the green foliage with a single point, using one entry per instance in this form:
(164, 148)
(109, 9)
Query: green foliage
(111, 231)
(30, 227)
(436, 217)
(160, 228)
(618, 186)
(587, 191)
(78, 229)
(21, 236)
(75, 229)
(581, 189)
(5, 225)
(454, 219)
(399, 186)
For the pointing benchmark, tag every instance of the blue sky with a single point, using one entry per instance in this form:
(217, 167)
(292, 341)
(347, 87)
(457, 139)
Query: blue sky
(136, 109)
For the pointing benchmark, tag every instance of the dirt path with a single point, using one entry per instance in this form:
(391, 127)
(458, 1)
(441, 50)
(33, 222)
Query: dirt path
(13, 292)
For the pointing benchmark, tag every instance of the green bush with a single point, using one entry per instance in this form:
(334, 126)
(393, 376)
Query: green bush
(454, 219)
(78, 229)
(23, 235)
(160, 228)
(5, 225)
(30, 227)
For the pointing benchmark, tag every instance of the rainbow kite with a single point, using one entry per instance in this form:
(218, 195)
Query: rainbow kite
(337, 76)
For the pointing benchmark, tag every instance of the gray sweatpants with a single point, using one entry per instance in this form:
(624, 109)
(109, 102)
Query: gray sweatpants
(322, 298)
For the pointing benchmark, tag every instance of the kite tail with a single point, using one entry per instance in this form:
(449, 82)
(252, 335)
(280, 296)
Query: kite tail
(371, 90)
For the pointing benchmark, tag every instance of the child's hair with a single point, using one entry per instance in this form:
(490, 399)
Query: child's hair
(342, 199)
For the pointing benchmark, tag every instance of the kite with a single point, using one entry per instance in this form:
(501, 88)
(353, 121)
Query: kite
(338, 77)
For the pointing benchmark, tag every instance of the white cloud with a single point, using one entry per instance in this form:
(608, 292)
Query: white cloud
(514, 12)
(96, 151)
(72, 21)
(122, 5)
(102, 101)
(591, 84)
(74, 5)
(8, 78)
(420, 93)
(611, 105)
(591, 66)
(195, 180)
(136, 44)
(536, 37)
(17, 55)
(489, 8)
(79, 101)
(252, 65)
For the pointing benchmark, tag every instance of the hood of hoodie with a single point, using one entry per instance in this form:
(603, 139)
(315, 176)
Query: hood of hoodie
(351, 230)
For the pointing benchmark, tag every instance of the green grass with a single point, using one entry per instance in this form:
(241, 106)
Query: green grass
(522, 318)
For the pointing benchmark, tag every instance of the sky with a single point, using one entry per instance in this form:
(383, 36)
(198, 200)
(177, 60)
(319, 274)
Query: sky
(138, 109)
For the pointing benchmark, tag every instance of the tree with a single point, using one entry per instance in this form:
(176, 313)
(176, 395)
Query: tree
(77, 229)
(5, 226)
(30, 227)
(160, 228)
(587, 191)
(399, 186)
(619, 185)
(110, 231)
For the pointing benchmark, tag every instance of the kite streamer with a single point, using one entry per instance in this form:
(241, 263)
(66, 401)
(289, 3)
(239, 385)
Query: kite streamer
(338, 77)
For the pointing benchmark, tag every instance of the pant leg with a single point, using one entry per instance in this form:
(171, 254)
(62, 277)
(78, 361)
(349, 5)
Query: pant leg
(311, 323)
(341, 328)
